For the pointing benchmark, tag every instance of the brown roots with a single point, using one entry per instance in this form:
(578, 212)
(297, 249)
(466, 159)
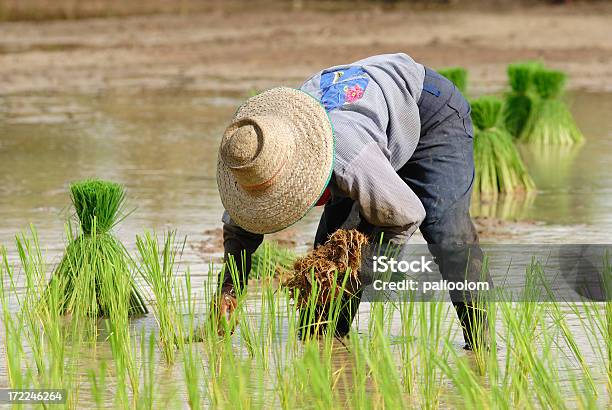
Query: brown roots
(326, 268)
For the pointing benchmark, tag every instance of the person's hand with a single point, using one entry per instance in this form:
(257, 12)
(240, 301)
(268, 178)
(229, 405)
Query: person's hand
(226, 304)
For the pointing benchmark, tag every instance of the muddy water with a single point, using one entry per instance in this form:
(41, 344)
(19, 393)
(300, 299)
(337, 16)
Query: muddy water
(572, 204)
(163, 147)
(575, 183)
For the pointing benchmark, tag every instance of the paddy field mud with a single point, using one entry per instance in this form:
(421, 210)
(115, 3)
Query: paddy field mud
(227, 47)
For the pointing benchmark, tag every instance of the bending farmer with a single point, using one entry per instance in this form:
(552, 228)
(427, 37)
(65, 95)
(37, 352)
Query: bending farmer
(385, 141)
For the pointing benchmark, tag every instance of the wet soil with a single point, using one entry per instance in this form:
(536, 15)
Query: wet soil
(236, 50)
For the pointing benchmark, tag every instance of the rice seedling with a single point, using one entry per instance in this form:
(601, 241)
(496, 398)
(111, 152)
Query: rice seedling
(43, 331)
(430, 347)
(13, 327)
(499, 168)
(95, 262)
(470, 387)
(359, 388)
(147, 353)
(157, 268)
(97, 380)
(408, 346)
(231, 378)
(284, 349)
(571, 345)
(583, 393)
(458, 76)
(596, 321)
(48, 348)
(271, 260)
(381, 360)
(123, 347)
(408, 355)
(551, 122)
(315, 378)
(519, 102)
(192, 360)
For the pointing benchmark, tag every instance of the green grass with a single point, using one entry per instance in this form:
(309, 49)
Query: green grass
(542, 355)
(550, 122)
(458, 76)
(499, 168)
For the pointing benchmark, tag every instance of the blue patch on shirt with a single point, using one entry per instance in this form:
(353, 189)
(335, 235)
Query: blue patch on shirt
(339, 87)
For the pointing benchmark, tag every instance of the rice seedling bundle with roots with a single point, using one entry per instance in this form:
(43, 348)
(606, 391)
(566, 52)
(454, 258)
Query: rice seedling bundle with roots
(95, 271)
(458, 76)
(330, 265)
(521, 98)
(551, 122)
(499, 168)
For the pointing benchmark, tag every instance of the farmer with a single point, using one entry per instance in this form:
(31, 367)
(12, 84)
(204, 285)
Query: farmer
(385, 139)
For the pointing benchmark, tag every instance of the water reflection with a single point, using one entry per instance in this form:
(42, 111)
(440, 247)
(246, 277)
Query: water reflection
(550, 166)
(506, 207)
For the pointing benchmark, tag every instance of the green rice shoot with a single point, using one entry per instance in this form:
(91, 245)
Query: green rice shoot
(271, 259)
(499, 168)
(458, 76)
(95, 264)
(551, 122)
(542, 355)
(519, 102)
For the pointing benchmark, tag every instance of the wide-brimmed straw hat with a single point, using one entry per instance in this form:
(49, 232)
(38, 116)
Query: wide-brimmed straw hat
(275, 159)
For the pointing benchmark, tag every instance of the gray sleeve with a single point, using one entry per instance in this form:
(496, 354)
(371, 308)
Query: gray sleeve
(384, 199)
(364, 152)
(240, 244)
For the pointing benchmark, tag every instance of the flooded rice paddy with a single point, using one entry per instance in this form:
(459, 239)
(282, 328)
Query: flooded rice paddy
(163, 147)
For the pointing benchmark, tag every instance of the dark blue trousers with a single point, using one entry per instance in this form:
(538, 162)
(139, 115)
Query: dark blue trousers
(441, 173)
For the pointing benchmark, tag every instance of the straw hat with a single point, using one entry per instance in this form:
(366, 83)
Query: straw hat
(275, 159)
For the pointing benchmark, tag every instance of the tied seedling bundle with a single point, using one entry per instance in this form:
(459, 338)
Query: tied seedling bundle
(327, 268)
(551, 122)
(95, 271)
(499, 168)
(457, 75)
(521, 98)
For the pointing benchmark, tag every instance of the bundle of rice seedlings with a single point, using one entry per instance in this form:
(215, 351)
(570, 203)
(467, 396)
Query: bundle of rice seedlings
(96, 268)
(551, 122)
(271, 260)
(499, 167)
(328, 265)
(457, 75)
(522, 96)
